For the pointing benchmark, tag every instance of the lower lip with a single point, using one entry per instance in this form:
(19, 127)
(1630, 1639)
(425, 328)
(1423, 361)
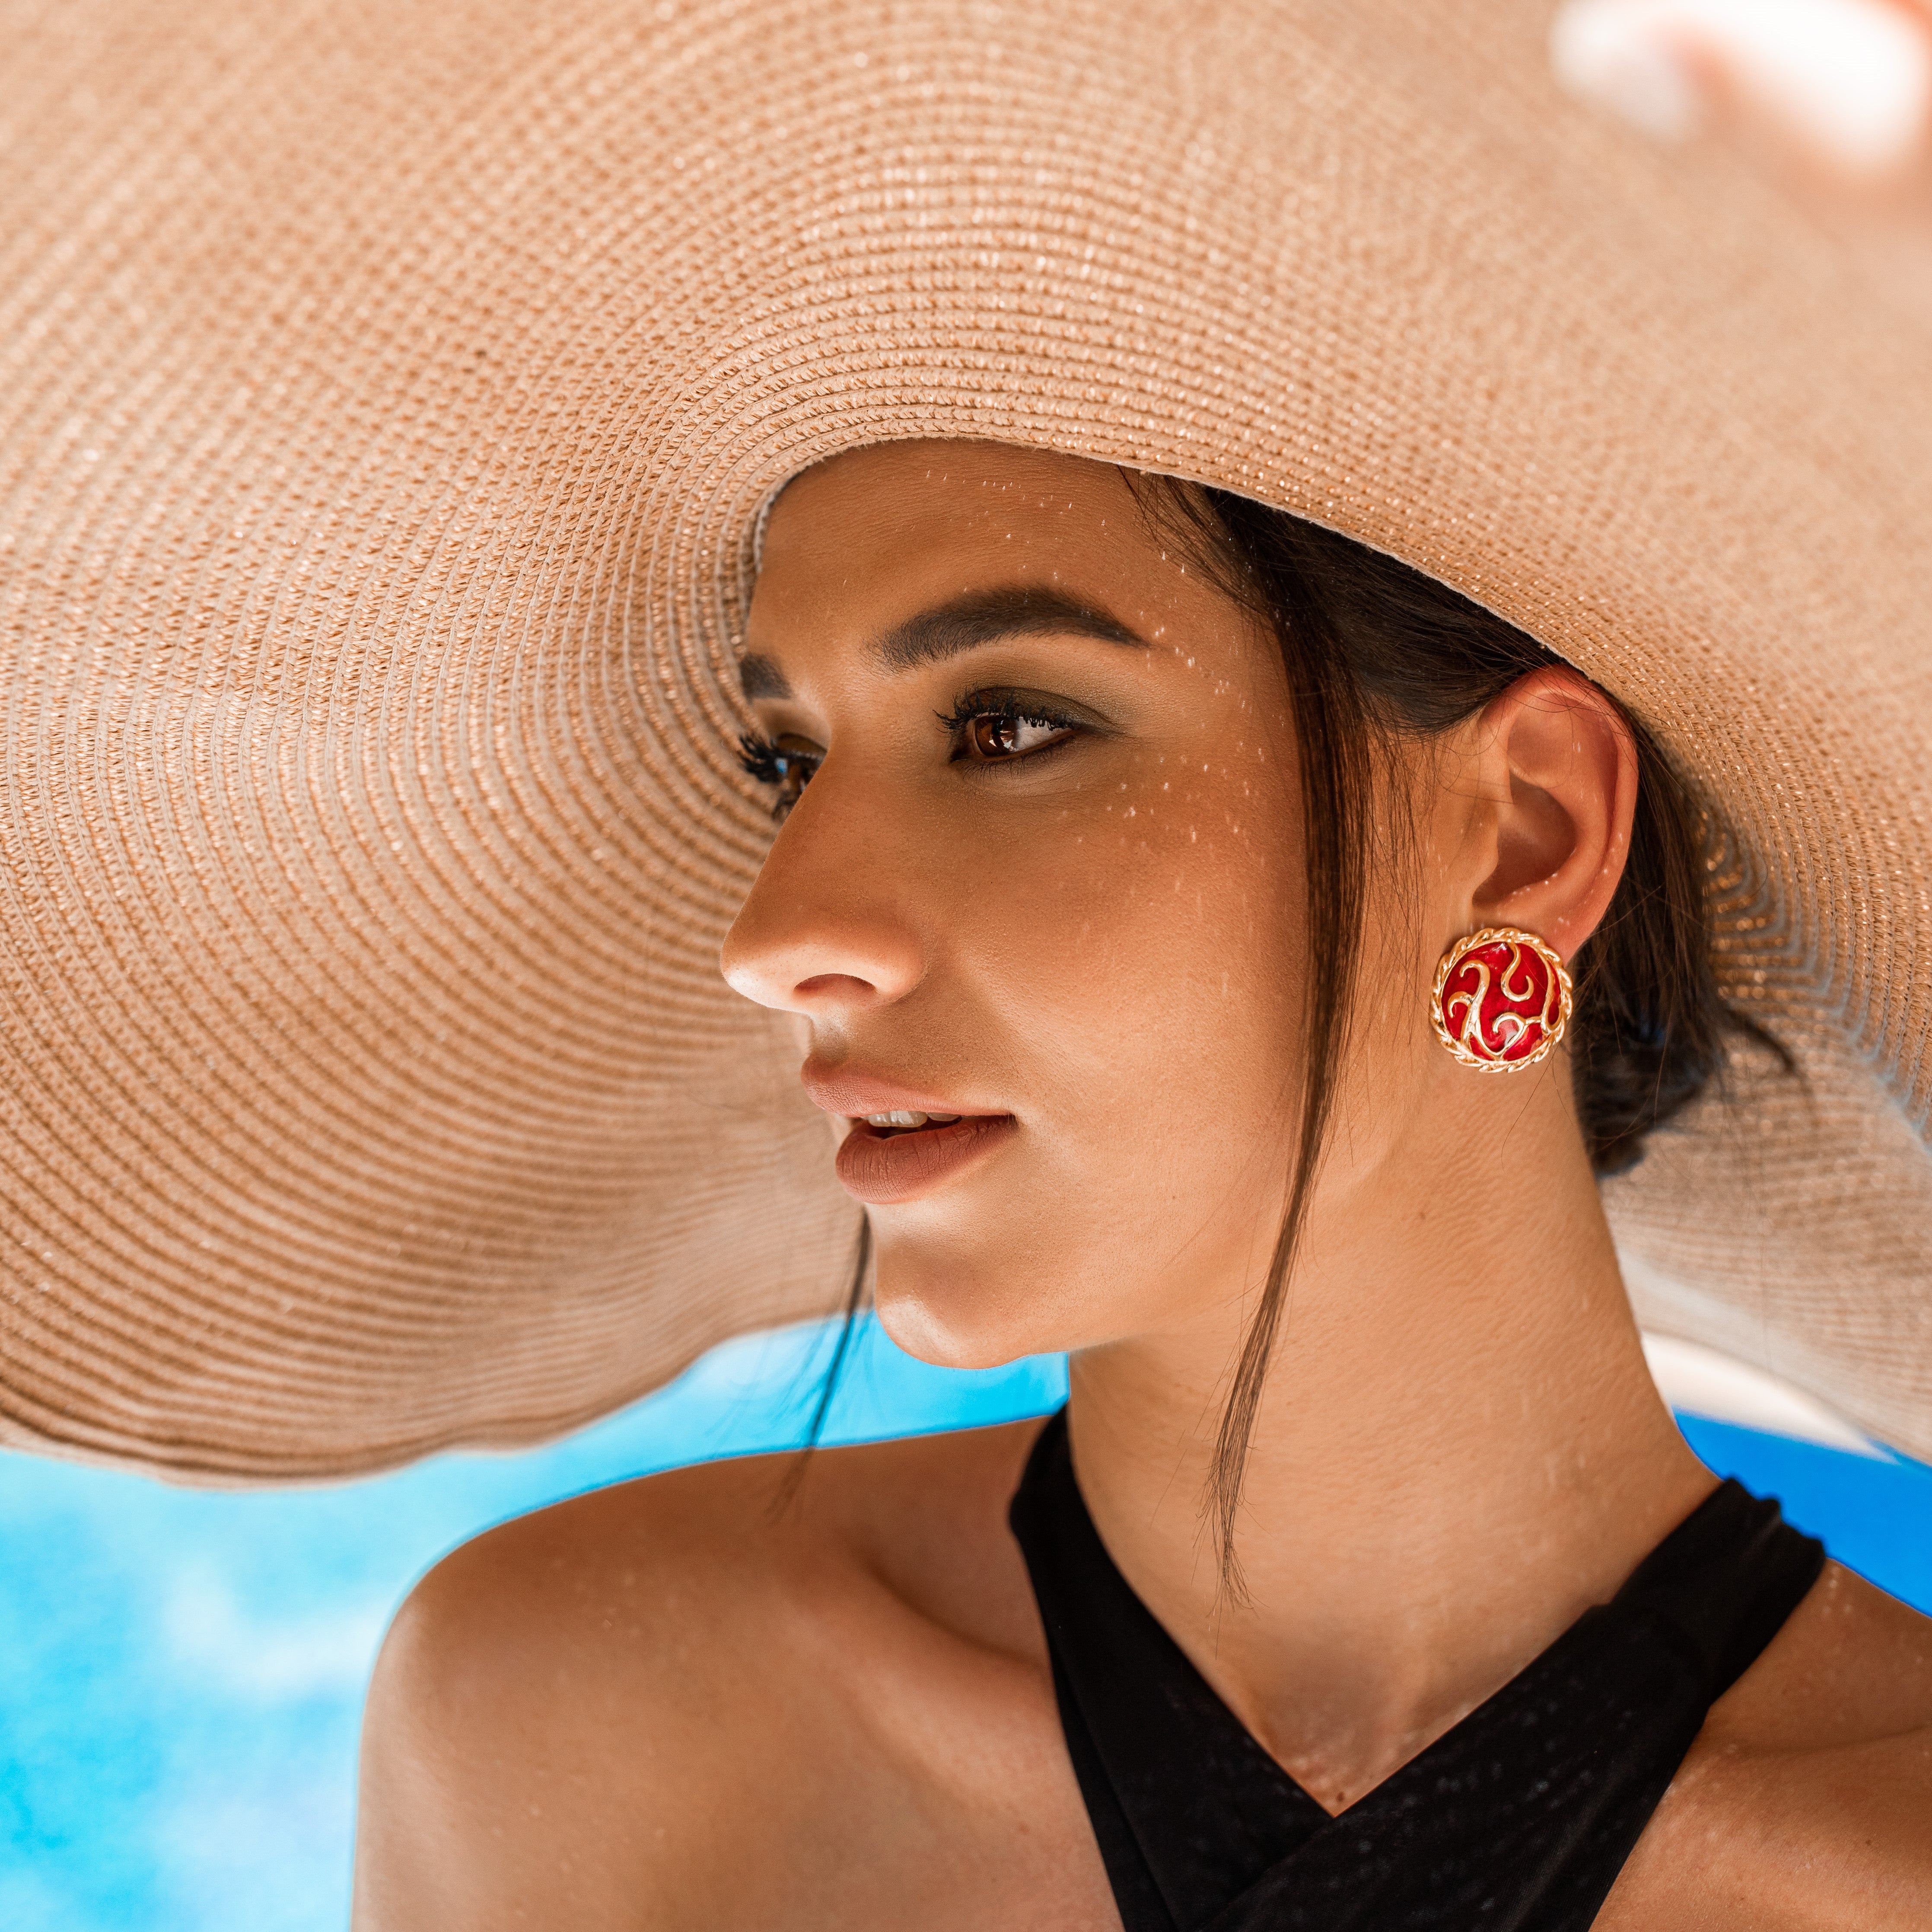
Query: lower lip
(881, 1168)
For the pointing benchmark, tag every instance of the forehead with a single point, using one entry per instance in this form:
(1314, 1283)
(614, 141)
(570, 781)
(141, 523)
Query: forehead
(889, 492)
(858, 544)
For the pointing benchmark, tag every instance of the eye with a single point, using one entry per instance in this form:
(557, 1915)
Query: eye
(994, 735)
(996, 728)
(785, 763)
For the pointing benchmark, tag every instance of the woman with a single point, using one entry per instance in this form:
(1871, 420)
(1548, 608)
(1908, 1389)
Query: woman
(1334, 645)
(1042, 897)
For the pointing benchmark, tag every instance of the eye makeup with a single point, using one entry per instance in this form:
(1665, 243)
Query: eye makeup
(1002, 726)
(785, 763)
(986, 727)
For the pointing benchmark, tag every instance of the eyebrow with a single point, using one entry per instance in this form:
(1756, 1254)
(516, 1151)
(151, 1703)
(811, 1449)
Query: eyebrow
(760, 677)
(984, 617)
(981, 617)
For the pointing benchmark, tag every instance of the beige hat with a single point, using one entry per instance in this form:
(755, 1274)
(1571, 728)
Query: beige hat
(388, 398)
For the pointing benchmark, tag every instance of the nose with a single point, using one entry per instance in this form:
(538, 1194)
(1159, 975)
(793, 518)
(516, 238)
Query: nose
(820, 933)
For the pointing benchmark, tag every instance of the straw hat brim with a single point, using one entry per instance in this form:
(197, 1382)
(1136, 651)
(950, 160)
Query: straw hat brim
(389, 397)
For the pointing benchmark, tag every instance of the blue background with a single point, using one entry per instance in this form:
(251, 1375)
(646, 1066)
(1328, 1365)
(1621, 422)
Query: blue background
(181, 1671)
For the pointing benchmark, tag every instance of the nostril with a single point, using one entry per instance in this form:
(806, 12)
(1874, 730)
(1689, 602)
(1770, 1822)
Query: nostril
(846, 986)
(795, 953)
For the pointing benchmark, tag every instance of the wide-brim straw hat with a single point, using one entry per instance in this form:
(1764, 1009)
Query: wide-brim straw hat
(389, 396)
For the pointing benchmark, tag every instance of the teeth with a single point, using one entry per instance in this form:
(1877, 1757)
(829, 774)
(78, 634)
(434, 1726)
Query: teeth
(903, 1117)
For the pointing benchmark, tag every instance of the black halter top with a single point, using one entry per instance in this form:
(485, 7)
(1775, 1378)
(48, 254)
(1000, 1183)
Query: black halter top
(1518, 1818)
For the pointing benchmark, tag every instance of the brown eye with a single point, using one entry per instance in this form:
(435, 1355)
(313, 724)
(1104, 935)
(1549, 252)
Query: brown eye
(785, 763)
(995, 735)
(795, 760)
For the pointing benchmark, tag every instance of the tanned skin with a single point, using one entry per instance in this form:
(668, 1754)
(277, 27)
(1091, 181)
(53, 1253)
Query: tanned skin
(673, 1705)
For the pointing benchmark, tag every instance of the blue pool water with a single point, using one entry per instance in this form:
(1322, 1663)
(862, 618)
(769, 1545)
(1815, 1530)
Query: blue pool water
(181, 1671)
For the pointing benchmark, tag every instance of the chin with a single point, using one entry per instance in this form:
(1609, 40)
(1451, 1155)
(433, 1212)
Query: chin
(955, 1314)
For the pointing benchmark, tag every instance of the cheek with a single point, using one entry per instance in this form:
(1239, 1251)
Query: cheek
(1136, 959)
(1156, 946)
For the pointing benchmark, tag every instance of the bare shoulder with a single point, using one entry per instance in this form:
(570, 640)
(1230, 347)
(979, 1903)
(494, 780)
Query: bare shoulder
(655, 1704)
(1806, 1803)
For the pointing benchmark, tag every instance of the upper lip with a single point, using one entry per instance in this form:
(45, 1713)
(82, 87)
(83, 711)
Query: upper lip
(854, 1092)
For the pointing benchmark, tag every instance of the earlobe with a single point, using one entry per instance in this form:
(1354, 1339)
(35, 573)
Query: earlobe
(1562, 774)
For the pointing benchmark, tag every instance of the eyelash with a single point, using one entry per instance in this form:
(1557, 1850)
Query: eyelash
(769, 763)
(977, 704)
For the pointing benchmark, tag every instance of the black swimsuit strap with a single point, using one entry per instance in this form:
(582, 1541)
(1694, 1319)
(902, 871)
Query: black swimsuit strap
(1517, 1818)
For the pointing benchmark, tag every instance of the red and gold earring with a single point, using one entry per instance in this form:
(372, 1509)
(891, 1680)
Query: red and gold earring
(1501, 1000)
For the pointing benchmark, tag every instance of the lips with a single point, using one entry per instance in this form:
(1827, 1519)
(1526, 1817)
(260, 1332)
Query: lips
(881, 1165)
(888, 1163)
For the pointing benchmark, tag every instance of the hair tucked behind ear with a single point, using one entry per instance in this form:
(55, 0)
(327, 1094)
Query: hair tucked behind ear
(1376, 652)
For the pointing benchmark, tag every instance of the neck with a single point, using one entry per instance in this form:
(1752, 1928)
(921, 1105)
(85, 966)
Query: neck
(1460, 1449)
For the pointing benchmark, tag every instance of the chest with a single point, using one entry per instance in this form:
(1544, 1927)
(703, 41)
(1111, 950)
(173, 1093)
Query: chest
(951, 1812)
(952, 1806)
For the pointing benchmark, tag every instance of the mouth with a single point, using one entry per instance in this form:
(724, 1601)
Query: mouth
(901, 1141)
(903, 1120)
(904, 1152)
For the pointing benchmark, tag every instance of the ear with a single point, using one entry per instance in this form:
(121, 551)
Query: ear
(1548, 827)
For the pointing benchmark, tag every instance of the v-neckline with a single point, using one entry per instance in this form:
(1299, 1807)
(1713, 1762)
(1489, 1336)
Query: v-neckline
(1199, 1824)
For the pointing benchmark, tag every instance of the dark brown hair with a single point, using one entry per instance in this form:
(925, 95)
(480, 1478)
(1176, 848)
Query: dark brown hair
(1377, 652)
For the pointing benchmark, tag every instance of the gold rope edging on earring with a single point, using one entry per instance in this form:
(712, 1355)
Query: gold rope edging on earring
(1560, 980)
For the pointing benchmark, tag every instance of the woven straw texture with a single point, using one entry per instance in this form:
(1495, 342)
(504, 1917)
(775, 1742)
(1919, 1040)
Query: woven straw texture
(388, 394)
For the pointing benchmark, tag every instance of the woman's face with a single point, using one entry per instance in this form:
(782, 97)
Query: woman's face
(1046, 877)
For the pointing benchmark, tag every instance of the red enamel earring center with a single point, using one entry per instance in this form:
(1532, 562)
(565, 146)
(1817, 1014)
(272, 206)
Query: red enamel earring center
(1501, 1000)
